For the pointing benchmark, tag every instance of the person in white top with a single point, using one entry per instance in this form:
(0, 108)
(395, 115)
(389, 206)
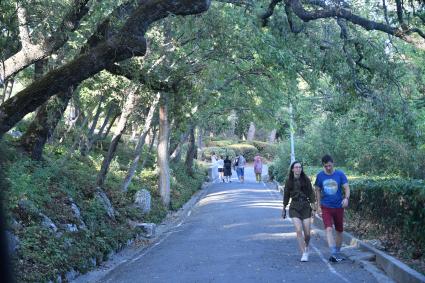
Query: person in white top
(220, 166)
(213, 157)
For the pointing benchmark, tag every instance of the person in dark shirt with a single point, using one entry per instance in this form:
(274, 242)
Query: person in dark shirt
(298, 188)
(227, 169)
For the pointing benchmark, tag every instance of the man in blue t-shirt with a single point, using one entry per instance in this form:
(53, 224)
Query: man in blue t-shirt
(331, 203)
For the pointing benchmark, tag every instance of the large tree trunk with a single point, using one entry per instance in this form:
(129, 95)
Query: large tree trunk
(140, 144)
(128, 108)
(164, 133)
(31, 53)
(190, 155)
(129, 41)
(44, 124)
(251, 132)
(86, 146)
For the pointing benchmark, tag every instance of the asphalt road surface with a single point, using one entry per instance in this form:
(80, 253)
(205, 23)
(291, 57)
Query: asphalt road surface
(235, 234)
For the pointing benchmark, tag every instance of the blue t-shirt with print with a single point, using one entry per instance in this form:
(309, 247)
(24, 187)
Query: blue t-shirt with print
(331, 188)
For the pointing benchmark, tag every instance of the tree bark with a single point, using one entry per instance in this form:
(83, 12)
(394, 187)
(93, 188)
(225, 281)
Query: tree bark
(152, 141)
(128, 108)
(86, 146)
(140, 144)
(111, 109)
(44, 124)
(251, 132)
(110, 125)
(175, 156)
(272, 137)
(128, 42)
(163, 164)
(7, 91)
(31, 53)
(190, 155)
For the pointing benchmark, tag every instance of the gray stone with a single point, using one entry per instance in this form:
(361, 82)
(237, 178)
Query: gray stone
(142, 199)
(148, 229)
(13, 242)
(71, 275)
(93, 261)
(15, 133)
(103, 198)
(71, 227)
(15, 225)
(48, 223)
(77, 214)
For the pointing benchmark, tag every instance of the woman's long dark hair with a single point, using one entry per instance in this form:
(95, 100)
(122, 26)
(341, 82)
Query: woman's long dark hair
(303, 177)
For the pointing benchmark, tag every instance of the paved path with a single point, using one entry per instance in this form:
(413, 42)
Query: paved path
(235, 234)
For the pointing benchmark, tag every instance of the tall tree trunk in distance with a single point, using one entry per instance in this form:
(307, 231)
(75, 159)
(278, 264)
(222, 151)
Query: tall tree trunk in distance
(200, 142)
(40, 68)
(44, 124)
(111, 109)
(140, 144)
(251, 132)
(86, 146)
(163, 136)
(152, 141)
(272, 137)
(176, 155)
(7, 91)
(111, 124)
(128, 108)
(190, 155)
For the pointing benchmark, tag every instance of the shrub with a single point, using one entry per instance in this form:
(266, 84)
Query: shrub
(222, 151)
(247, 150)
(395, 205)
(218, 143)
(267, 150)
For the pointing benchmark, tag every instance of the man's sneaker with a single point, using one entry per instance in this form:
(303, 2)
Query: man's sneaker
(335, 258)
(304, 258)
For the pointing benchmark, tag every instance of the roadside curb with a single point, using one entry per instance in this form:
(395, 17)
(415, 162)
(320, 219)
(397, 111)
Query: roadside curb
(395, 269)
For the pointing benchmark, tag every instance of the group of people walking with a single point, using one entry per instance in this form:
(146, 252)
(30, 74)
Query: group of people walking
(329, 198)
(238, 164)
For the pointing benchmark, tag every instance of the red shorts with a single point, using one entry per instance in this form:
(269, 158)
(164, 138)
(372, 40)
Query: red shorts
(333, 216)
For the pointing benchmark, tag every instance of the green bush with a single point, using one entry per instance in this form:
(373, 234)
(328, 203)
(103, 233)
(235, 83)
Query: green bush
(221, 151)
(396, 206)
(247, 150)
(218, 143)
(265, 149)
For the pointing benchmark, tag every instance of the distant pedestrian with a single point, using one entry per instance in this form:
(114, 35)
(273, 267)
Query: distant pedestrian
(298, 188)
(220, 166)
(258, 168)
(329, 184)
(213, 158)
(227, 169)
(239, 165)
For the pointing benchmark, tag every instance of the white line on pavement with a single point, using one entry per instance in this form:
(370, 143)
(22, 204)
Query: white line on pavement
(330, 267)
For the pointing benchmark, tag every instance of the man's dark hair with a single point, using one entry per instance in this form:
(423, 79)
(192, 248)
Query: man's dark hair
(327, 158)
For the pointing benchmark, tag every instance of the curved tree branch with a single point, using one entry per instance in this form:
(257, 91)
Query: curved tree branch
(129, 42)
(30, 52)
(344, 13)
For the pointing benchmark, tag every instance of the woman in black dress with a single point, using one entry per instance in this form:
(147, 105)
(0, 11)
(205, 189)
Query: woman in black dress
(227, 169)
(298, 188)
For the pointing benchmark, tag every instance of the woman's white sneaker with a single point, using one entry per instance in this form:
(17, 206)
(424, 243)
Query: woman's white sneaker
(304, 258)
